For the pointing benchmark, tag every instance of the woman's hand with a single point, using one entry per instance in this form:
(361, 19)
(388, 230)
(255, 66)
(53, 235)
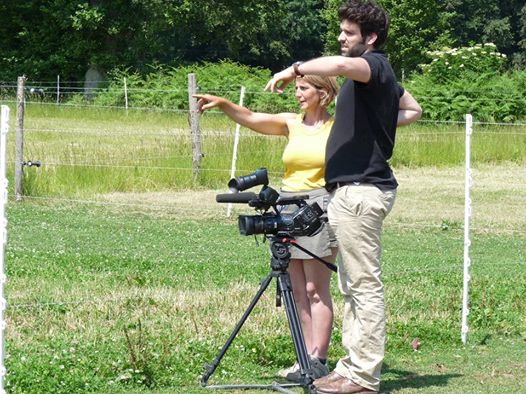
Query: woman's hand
(207, 101)
(264, 123)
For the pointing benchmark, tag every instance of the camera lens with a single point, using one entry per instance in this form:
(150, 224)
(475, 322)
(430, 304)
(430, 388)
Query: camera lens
(240, 183)
(246, 224)
(259, 224)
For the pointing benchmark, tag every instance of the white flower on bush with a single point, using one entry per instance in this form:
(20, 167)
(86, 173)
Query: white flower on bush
(480, 58)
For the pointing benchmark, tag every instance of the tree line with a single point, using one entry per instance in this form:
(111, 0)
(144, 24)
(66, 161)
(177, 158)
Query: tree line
(45, 38)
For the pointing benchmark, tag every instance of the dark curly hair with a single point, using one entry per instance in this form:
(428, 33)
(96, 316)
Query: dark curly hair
(369, 16)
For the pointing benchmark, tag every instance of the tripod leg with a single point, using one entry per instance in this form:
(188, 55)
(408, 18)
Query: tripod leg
(210, 368)
(302, 356)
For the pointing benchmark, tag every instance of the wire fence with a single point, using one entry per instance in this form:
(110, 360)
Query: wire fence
(208, 208)
(63, 93)
(213, 154)
(44, 258)
(78, 96)
(74, 145)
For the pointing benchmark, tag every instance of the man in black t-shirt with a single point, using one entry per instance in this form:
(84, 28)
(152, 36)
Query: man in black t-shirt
(363, 135)
(369, 107)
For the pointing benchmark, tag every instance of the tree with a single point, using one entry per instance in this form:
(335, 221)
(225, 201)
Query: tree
(269, 34)
(65, 37)
(415, 27)
(33, 39)
(43, 38)
(520, 56)
(305, 28)
(502, 22)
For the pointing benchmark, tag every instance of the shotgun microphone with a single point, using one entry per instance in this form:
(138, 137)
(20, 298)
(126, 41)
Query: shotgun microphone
(237, 198)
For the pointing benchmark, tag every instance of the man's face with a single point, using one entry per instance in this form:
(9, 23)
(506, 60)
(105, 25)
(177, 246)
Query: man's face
(352, 43)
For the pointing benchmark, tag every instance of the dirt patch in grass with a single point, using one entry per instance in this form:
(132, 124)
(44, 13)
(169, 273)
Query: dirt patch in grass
(435, 197)
(427, 197)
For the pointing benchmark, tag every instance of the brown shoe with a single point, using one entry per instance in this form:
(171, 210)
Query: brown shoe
(332, 377)
(342, 386)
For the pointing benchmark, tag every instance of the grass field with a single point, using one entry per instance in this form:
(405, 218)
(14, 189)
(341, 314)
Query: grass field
(131, 287)
(104, 298)
(91, 151)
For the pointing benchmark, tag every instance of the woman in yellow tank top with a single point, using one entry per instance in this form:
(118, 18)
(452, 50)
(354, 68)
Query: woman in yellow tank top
(304, 162)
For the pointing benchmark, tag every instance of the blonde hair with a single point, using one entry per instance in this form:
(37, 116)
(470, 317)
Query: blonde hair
(327, 85)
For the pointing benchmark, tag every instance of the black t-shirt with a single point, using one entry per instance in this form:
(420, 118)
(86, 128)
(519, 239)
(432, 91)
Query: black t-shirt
(363, 135)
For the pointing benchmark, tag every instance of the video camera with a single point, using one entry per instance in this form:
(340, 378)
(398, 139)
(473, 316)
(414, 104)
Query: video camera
(303, 221)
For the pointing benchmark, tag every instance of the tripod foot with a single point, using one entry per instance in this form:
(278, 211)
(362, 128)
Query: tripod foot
(209, 370)
(279, 387)
(310, 389)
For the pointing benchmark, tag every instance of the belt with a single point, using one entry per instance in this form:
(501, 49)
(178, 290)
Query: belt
(340, 184)
(333, 186)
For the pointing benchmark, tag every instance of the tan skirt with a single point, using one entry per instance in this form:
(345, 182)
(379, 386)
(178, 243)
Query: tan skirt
(320, 243)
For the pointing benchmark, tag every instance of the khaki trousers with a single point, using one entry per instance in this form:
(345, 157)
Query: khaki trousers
(356, 213)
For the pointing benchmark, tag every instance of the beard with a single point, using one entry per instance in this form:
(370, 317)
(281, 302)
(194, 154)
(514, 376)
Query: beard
(356, 50)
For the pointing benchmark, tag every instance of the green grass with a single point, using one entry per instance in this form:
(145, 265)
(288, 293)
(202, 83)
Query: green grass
(97, 150)
(111, 151)
(444, 145)
(82, 278)
(126, 277)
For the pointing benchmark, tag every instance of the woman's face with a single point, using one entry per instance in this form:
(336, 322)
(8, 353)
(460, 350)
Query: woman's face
(307, 95)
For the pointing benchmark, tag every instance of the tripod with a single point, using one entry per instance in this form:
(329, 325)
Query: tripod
(279, 263)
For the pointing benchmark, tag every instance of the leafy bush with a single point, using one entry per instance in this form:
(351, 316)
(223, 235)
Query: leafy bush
(470, 80)
(460, 63)
(166, 87)
(455, 82)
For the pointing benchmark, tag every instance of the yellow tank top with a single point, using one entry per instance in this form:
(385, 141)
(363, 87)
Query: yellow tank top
(304, 156)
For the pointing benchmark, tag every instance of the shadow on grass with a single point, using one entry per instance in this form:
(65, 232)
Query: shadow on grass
(408, 379)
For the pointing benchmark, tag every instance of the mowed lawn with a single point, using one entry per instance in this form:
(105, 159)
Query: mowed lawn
(135, 292)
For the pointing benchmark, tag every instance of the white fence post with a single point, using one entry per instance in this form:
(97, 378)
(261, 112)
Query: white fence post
(126, 95)
(4, 128)
(467, 215)
(234, 153)
(58, 89)
(19, 137)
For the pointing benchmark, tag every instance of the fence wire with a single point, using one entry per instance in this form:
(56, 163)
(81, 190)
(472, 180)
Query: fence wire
(209, 210)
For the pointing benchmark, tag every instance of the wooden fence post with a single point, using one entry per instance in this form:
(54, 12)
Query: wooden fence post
(193, 119)
(19, 137)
